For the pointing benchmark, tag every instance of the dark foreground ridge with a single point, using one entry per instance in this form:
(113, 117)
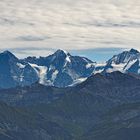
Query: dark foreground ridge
(104, 107)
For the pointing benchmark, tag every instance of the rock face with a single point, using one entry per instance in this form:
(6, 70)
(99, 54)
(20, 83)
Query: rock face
(15, 73)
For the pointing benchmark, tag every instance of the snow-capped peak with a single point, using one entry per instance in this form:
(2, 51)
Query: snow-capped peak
(61, 52)
(124, 57)
(63, 69)
(127, 61)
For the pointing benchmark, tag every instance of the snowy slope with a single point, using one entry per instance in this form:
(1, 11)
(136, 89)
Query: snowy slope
(127, 61)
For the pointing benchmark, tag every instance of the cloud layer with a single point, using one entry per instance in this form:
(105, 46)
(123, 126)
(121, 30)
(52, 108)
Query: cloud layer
(69, 24)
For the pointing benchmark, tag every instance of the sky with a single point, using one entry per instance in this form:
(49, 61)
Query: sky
(96, 29)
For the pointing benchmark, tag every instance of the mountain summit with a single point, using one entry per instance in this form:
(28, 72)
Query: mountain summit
(134, 51)
(61, 53)
(123, 62)
(124, 57)
(7, 56)
(61, 69)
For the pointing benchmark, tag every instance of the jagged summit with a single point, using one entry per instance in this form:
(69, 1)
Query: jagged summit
(60, 52)
(8, 54)
(134, 51)
(123, 57)
(126, 62)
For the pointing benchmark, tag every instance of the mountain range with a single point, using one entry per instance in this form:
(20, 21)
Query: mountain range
(61, 69)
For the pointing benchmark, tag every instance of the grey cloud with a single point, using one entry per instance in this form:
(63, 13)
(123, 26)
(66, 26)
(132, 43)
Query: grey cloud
(31, 38)
(30, 49)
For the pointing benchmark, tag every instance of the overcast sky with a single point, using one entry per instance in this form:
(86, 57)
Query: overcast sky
(39, 27)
